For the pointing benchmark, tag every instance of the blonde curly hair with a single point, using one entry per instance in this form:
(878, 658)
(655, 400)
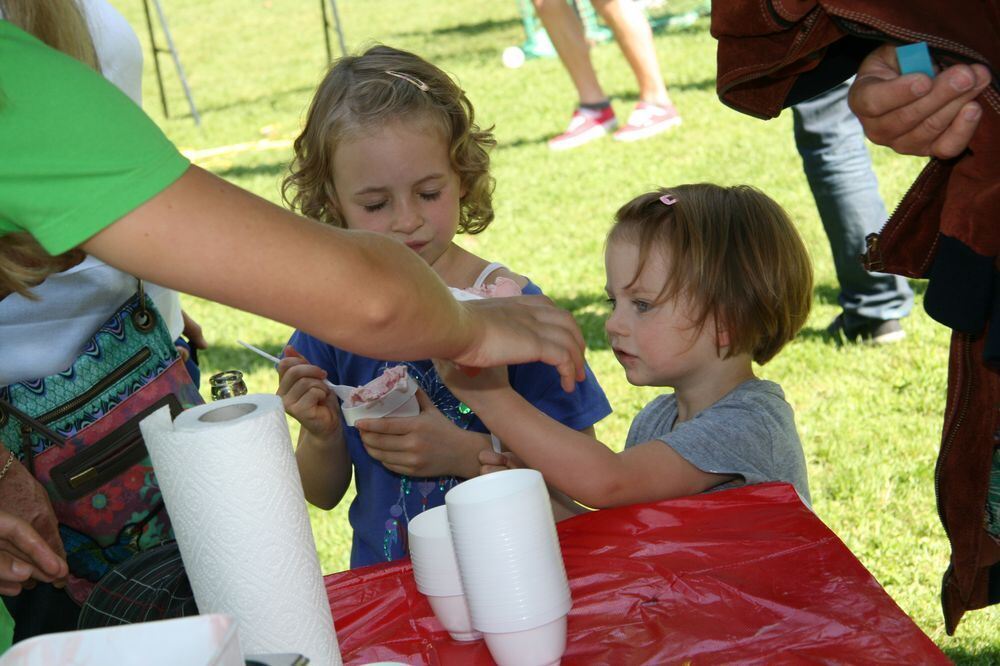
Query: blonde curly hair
(380, 85)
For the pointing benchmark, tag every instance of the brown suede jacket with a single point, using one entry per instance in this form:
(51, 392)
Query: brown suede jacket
(774, 53)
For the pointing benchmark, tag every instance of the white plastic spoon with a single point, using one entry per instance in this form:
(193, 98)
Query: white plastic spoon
(343, 392)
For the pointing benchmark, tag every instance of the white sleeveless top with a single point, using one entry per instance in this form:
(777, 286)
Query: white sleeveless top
(492, 268)
(39, 338)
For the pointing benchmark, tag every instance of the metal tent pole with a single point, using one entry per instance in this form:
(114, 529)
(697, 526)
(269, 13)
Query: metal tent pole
(326, 28)
(172, 50)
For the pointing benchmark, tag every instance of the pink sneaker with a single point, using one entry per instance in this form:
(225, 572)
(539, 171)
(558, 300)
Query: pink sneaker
(647, 120)
(584, 127)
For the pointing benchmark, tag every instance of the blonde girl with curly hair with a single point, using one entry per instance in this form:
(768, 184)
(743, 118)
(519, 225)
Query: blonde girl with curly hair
(391, 146)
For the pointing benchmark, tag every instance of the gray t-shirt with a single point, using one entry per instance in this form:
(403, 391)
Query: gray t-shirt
(749, 432)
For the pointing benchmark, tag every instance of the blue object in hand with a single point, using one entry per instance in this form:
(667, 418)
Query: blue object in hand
(915, 58)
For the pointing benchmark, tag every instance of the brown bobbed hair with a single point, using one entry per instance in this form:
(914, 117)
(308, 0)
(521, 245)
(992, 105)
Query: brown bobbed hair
(358, 94)
(733, 253)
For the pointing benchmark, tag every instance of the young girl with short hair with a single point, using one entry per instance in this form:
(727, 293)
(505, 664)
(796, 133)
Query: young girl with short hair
(703, 281)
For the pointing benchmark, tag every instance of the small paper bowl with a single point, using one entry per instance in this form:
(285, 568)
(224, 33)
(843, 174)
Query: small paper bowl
(453, 614)
(462, 295)
(541, 646)
(395, 403)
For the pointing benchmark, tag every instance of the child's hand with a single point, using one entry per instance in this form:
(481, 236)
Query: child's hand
(305, 395)
(491, 461)
(471, 386)
(192, 331)
(428, 444)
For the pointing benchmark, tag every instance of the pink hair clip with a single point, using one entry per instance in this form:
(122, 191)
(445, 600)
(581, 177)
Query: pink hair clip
(668, 199)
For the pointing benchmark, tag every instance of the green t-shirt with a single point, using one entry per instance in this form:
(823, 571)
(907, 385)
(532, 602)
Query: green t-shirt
(76, 154)
(6, 628)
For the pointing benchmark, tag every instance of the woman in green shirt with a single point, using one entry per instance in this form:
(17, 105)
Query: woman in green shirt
(83, 167)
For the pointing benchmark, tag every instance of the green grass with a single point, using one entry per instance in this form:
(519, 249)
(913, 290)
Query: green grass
(870, 419)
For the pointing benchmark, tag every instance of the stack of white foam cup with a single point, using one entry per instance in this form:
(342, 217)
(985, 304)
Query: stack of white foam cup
(436, 572)
(512, 572)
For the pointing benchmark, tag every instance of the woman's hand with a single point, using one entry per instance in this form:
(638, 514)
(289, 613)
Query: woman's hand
(25, 557)
(23, 497)
(523, 329)
(30, 547)
(914, 114)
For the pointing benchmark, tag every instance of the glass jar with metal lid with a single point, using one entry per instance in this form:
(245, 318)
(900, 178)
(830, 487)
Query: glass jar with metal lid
(227, 384)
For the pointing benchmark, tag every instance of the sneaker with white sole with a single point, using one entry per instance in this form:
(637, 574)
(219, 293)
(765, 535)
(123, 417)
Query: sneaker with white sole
(648, 120)
(871, 332)
(585, 126)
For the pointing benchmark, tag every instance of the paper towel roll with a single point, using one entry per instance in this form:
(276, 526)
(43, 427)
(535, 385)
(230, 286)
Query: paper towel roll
(231, 485)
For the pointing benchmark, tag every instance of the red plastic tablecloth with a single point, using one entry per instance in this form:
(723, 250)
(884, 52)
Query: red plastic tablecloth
(748, 575)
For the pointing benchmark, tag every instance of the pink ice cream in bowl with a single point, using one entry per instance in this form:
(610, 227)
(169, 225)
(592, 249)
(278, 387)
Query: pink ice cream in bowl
(393, 393)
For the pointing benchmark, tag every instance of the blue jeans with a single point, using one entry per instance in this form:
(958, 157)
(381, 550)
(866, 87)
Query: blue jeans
(839, 170)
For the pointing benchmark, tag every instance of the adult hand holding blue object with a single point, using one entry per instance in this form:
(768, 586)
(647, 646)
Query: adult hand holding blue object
(914, 114)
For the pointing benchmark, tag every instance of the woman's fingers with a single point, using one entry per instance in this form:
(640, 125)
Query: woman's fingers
(32, 551)
(14, 569)
(525, 329)
(559, 340)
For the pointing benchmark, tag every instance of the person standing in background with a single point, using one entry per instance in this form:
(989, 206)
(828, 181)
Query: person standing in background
(944, 229)
(594, 117)
(839, 170)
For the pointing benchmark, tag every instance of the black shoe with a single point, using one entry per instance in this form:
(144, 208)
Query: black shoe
(872, 332)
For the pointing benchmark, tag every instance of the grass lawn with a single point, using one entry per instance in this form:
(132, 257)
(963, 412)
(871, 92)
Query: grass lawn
(869, 419)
